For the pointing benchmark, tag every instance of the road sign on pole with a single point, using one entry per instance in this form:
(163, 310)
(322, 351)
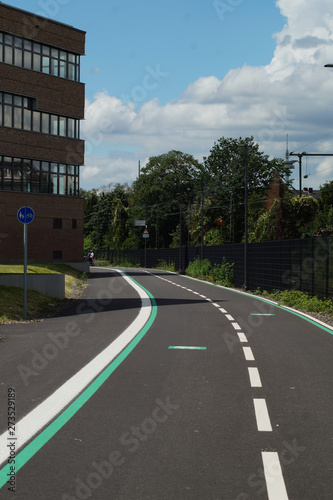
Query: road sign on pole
(139, 223)
(145, 233)
(25, 215)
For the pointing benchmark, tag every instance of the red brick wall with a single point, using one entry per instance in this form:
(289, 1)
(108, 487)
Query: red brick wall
(30, 26)
(42, 238)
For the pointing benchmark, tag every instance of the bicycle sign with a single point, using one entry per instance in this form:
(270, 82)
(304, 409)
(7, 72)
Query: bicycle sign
(25, 215)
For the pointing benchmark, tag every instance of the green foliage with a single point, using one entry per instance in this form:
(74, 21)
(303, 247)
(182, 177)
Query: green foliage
(221, 274)
(299, 300)
(326, 194)
(224, 168)
(290, 217)
(174, 187)
(166, 266)
(165, 183)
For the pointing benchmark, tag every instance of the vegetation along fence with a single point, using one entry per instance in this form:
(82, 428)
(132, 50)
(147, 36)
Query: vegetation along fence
(303, 264)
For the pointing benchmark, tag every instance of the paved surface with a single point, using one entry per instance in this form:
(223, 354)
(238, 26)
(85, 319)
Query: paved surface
(225, 397)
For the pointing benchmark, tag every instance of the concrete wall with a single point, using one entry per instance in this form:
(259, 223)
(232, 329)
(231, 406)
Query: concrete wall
(80, 266)
(52, 285)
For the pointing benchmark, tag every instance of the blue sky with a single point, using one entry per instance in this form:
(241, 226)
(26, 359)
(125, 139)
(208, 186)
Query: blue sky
(181, 74)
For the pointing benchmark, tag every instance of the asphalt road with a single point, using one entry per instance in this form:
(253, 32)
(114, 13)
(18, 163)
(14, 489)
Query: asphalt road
(166, 388)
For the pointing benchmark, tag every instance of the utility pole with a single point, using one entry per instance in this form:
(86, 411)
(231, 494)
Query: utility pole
(202, 228)
(300, 155)
(245, 216)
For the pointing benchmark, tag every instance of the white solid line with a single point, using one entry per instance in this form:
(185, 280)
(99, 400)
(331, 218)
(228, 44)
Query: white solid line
(248, 353)
(242, 337)
(46, 411)
(276, 487)
(263, 420)
(229, 317)
(236, 326)
(262, 314)
(254, 377)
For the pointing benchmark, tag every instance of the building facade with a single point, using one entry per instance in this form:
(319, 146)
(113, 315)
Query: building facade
(41, 105)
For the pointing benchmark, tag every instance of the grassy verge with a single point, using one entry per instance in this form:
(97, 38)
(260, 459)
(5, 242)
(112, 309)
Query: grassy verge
(299, 300)
(221, 274)
(106, 263)
(38, 306)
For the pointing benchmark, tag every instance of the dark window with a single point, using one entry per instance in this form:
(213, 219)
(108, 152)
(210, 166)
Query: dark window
(39, 57)
(57, 223)
(73, 223)
(57, 254)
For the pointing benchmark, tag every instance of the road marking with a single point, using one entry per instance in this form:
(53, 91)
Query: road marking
(248, 353)
(263, 420)
(236, 326)
(215, 304)
(187, 347)
(229, 317)
(276, 487)
(102, 366)
(254, 377)
(261, 314)
(242, 337)
(223, 311)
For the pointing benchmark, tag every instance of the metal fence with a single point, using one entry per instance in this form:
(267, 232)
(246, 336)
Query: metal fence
(303, 264)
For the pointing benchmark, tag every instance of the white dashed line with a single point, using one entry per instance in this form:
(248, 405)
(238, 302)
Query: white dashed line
(236, 326)
(215, 304)
(276, 487)
(263, 420)
(254, 377)
(242, 337)
(229, 317)
(248, 353)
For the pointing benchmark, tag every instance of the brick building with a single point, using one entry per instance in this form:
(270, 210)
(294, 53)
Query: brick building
(41, 105)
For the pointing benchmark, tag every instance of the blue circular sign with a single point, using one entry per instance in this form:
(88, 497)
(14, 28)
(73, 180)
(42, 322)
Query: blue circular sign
(25, 215)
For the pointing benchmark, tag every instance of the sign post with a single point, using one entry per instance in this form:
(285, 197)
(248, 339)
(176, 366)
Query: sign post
(25, 215)
(145, 235)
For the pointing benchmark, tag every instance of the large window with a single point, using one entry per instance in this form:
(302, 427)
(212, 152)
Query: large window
(35, 176)
(39, 57)
(18, 112)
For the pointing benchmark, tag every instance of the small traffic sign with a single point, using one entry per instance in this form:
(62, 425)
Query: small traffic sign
(25, 215)
(145, 233)
(139, 223)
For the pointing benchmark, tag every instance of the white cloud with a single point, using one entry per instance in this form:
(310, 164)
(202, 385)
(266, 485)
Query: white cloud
(292, 94)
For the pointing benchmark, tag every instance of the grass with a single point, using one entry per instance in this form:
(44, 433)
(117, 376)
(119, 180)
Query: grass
(299, 300)
(38, 305)
(221, 274)
(106, 263)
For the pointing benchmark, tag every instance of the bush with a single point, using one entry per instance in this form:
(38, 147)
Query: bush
(221, 274)
(299, 300)
(166, 266)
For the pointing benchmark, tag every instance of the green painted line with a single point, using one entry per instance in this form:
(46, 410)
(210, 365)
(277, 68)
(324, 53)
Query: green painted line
(187, 347)
(39, 441)
(267, 301)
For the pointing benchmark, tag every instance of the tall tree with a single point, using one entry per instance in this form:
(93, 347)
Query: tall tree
(224, 169)
(167, 184)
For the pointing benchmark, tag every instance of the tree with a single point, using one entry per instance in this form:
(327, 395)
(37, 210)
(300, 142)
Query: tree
(224, 170)
(166, 186)
(106, 217)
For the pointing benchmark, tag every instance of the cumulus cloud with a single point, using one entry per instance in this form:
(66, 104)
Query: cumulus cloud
(292, 94)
